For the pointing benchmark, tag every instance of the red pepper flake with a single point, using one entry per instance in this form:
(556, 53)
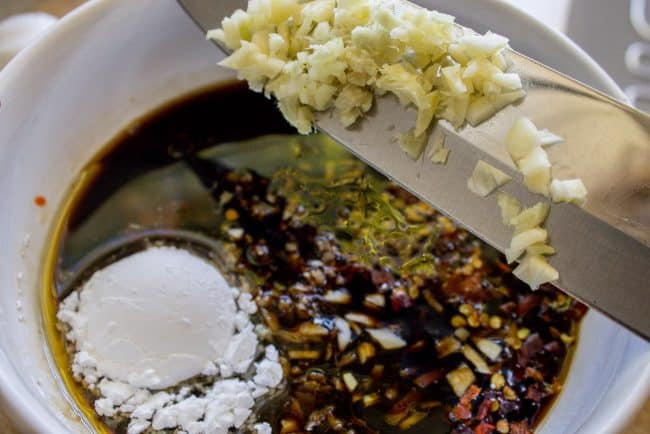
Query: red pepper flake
(472, 392)
(509, 307)
(484, 409)
(425, 380)
(520, 427)
(404, 404)
(461, 412)
(400, 300)
(379, 277)
(579, 310)
(469, 287)
(531, 346)
(554, 348)
(534, 394)
(40, 201)
(533, 373)
(554, 332)
(527, 303)
(503, 267)
(484, 428)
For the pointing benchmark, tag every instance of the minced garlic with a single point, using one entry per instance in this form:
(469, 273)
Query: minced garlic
(529, 241)
(486, 178)
(525, 144)
(338, 54)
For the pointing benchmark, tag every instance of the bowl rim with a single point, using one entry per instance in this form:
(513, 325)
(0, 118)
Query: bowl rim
(612, 88)
(13, 393)
(641, 393)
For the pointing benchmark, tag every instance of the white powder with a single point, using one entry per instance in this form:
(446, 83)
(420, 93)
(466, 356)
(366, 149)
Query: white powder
(263, 428)
(160, 317)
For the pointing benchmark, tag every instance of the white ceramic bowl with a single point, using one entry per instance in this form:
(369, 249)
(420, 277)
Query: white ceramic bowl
(111, 61)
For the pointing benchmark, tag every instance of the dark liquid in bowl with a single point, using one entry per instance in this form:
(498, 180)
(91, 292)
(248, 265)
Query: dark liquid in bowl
(304, 223)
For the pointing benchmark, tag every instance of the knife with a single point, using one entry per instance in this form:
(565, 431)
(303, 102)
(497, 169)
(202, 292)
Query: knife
(603, 249)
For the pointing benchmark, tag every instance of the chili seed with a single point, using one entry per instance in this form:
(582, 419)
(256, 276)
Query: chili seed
(497, 381)
(458, 321)
(495, 322)
(231, 214)
(568, 340)
(509, 393)
(523, 333)
(502, 426)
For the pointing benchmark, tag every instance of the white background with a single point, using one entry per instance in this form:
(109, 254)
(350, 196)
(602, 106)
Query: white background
(554, 13)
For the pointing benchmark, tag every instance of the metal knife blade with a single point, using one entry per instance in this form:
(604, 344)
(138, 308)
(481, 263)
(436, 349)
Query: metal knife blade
(603, 250)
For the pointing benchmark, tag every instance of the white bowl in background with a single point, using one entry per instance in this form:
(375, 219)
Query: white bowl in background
(111, 61)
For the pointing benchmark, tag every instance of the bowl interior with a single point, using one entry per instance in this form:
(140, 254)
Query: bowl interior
(113, 61)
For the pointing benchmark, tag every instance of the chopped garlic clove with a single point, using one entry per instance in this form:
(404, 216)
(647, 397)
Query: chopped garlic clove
(491, 349)
(522, 139)
(486, 45)
(570, 190)
(351, 103)
(548, 138)
(350, 381)
(535, 270)
(297, 115)
(454, 79)
(536, 169)
(508, 81)
(387, 339)
(523, 240)
(460, 379)
(537, 180)
(278, 46)
(479, 70)
(439, 154)
(344, 333)
(252, 63)
(456, 109)
(318, 11)
(411, 144)
(500, 61)
(339, 296)
(234, 29)
(540, 249)
(361, 318)
(510, 207)
(530, 217)
(486, 178)
(446, 346)
(475, 358)
(483, 108)
(375, 300)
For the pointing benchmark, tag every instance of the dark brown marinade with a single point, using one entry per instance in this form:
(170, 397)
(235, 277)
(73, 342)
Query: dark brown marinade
(460, 292)
(294, 266)
(180, 128)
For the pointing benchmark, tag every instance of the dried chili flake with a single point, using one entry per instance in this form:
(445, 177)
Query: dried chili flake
(425, 380)
(461, 412)
(40, 201)
(318, 265)
(484, 409)
(472, 392)
(484, 428)
(520, 428)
